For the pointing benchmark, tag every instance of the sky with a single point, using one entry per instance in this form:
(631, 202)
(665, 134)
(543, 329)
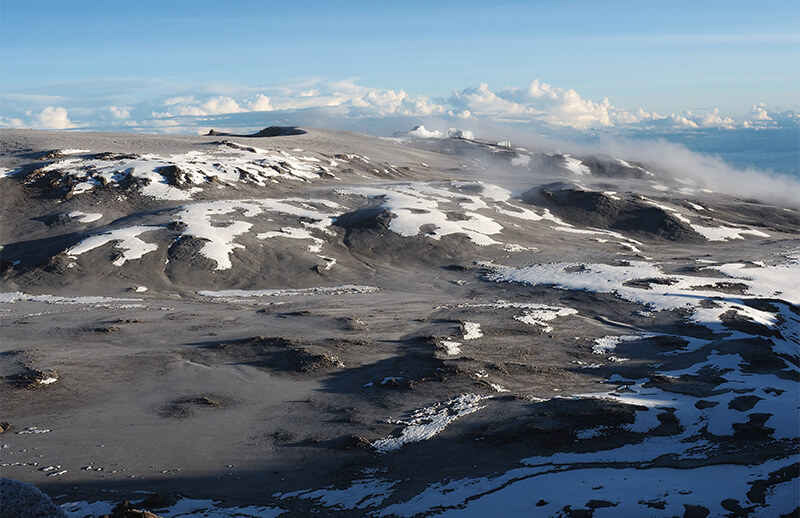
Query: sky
(185, 66)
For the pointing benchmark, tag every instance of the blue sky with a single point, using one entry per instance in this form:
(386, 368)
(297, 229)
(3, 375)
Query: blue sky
(160, 65)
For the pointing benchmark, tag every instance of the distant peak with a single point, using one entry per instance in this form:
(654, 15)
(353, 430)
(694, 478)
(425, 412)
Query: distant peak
(271, 131)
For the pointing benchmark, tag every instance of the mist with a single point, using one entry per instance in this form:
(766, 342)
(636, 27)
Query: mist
(668, 160)
(671, 160)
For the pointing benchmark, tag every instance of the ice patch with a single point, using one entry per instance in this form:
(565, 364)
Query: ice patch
(540, 315)
(71, 151)
(347, 289)
(361, 494)
(498, 388)
(640, 491)
(437, 209)
(126, 240)
(430, 421)
(178, 177)
(589, 433)
(576, 166)
(422, 204)
(32, 430)
(527, 214)
(720, 233)
(471, 331)
(513, 247)
(606, 344)
(83, 217)
(184, 507)
(5, 172)
(684, 292)
(451, 348)
(596, 231)
(15, 296)
(645, 421)
(726, 233)
(199, 221)
(768, 281)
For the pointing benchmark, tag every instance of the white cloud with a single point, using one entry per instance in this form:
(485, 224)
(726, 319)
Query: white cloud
(539, 102)
(118, 112)
(213, 106)
(10, 122)
(347, 104)
(261, 103)
(172, 101)
(482, 101)
(53, 118)
(356, 101)
(678, 121)
(345, 97)
(549, 105)
(759, 113)
(715, 120)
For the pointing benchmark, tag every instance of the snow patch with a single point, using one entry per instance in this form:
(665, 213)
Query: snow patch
(15, 296)
(576, 166)
(178, 177)
(606, 344)
(726, 233)
(84, 217)
(540, 315)
(324, 290)
(471, 331)
(126, 240)
(451, 348)
(430, 421)
(183, 508)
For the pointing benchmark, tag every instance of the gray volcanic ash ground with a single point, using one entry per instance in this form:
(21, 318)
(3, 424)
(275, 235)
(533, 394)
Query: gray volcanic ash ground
(324, 322)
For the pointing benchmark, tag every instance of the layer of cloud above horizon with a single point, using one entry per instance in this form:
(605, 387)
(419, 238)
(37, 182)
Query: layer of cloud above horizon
(347, 105)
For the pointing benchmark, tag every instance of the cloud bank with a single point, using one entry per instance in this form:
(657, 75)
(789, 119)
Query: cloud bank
(539, 104)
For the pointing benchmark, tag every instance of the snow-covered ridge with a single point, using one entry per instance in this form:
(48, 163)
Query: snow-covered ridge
(430, 209)
(201, 221)
(720, 233)
(419, 204)
(178, 177)
(576, 166)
